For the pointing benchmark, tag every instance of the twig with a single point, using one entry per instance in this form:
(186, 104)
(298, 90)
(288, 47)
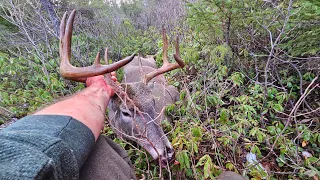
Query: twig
(304, 95)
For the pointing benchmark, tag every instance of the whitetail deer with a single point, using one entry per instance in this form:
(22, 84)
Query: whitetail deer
(137, 109)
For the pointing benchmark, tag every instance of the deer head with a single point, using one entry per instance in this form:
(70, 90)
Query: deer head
(133, 111)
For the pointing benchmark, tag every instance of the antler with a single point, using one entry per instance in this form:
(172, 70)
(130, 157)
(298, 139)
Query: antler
(166, 65)
(81, 73)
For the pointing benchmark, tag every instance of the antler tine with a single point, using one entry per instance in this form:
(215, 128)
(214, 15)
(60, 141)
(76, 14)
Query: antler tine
(177, 54)
(63, 26)
(81, 73)
(106, 56)
(166, 66)
(117, 88)
(165, 46)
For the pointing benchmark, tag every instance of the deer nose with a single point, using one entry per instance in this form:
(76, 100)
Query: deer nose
(168, 158)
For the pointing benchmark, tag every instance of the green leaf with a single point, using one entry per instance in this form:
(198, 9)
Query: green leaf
(180, 159)
(310, 173)
(195, 147)
(260, 137)
(202, 160)
(253, 131)
(170, 108)
(186, 159)
(182, 95)
(207, 168)
(237, 78)
(255, 149)
(277, 107)
(196, 132)
(230, 166)
(307, 136)
(264, 111)
(198, 107)
(224, 116)
(280, 164)
(271, 130)
(312, 159)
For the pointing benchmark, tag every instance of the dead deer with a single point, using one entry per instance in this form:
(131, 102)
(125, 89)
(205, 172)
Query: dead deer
(137, 109)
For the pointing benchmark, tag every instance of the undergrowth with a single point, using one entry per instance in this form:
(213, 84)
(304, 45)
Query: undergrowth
(238, 95)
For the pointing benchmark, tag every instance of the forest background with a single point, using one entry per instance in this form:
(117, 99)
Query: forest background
(251, 84)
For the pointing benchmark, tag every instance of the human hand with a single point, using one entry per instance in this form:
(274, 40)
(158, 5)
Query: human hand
(99, 81)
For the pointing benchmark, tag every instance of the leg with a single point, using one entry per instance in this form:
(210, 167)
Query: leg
(229, 175)
(107, 161)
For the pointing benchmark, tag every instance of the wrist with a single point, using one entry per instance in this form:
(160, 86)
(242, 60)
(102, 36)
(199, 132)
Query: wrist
(98, 95)
(98, 82)
(88, 106)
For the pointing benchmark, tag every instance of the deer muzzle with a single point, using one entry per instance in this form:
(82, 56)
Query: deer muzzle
(167, 158)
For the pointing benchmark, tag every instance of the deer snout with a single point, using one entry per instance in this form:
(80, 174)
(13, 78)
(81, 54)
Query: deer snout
(168, 158)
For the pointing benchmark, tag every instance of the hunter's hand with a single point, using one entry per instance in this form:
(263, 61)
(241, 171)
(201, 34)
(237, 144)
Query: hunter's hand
(99, 82)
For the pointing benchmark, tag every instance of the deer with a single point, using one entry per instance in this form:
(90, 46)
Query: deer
(137, 109)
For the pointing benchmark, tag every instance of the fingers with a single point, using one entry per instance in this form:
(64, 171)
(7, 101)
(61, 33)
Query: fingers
(114, 79)
(114, 76)
(100, 82)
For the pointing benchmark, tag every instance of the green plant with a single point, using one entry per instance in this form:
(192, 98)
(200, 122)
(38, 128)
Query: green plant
(25, 89)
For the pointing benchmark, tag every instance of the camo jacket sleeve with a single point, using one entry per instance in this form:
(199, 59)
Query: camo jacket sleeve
(44, 147)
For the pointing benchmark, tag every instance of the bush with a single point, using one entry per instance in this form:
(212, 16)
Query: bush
(250, 84)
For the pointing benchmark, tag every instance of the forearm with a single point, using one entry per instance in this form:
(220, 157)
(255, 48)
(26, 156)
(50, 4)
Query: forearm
(87, 106)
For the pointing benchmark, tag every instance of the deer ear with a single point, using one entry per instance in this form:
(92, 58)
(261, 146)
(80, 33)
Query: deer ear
(151, 56)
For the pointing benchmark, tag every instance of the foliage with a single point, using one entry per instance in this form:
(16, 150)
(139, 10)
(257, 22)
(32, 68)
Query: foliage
(230, 113)
(249, 64)
(306, 15)
(24, 90)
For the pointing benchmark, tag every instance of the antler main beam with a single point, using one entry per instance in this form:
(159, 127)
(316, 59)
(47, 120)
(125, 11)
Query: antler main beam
(166, 65)
(80, 74)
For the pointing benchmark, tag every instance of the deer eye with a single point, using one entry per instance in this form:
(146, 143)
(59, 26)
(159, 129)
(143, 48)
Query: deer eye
(126, 114)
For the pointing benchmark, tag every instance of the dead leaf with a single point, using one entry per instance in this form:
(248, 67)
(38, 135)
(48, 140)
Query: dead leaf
(304, 143)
